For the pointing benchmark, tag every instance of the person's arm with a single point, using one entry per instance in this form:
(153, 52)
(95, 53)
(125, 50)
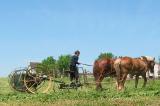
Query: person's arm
(76, 60)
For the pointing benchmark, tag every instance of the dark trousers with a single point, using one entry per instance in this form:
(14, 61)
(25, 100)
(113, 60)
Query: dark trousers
(74, 75)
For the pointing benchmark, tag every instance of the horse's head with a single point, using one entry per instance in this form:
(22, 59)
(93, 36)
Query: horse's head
(150, 62)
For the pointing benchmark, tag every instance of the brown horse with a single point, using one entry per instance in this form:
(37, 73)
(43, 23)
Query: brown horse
(133, 66)
(102, 68)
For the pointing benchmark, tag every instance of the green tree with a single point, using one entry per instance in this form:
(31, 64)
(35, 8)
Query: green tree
(106, 55)
(49, 65)
(63, 63)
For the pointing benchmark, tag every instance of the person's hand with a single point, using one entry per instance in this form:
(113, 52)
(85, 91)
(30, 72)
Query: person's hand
(79, 63)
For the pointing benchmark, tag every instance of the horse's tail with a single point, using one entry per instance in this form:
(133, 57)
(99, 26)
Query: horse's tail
(95, 70)
(117, 66)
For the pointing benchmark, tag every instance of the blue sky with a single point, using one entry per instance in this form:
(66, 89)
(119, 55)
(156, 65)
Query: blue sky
(31, 30)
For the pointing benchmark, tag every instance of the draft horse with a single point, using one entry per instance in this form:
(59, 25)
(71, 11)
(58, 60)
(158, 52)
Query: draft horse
(133, 66)
(103, 68)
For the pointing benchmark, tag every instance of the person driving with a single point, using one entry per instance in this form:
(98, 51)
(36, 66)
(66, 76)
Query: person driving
(74, 74)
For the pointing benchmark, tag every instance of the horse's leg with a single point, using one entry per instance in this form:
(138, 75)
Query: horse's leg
(101, 77)
(121, 77)
(97, 85)
(97, 76)
(136, 80)
(145, 79)
(118, 83)
(123, 80)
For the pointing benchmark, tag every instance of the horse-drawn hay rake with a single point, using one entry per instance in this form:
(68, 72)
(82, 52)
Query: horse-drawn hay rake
(38, 80)
(31, 80)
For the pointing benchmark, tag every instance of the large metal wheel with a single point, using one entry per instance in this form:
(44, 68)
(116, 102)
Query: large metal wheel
(16, 80)
(37, 80)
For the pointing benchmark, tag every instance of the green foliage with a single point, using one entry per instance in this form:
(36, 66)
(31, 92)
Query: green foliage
(48, 65)
(49, 61)
(106, 55)
(51, 65)
(63, 62)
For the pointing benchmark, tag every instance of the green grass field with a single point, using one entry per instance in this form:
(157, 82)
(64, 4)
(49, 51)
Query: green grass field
(86, 96)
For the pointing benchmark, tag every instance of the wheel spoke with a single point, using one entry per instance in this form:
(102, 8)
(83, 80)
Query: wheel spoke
(40, 83)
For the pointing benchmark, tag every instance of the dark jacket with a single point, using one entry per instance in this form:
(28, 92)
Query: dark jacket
(74, 60)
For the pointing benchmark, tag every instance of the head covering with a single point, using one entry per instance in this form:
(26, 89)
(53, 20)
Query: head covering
(77, 52)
